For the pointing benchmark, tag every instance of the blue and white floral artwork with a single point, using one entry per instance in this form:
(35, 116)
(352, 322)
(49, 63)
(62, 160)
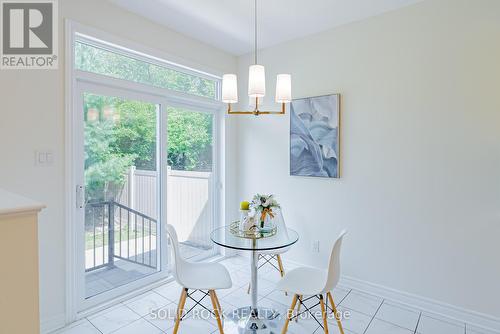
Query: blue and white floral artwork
(314, 136)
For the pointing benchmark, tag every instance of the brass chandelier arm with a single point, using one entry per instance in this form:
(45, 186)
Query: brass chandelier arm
(256, 112)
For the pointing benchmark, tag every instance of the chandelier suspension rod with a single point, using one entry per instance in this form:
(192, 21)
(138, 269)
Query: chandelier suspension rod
(255, 8)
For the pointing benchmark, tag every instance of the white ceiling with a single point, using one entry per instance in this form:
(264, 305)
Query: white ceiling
(228, 24)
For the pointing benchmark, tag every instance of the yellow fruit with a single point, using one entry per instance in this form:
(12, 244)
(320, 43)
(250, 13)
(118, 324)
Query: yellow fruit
(244, 205)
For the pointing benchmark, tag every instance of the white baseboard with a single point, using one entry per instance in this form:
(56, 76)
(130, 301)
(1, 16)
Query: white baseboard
(470, 317)
(53, 323)
(477, 319)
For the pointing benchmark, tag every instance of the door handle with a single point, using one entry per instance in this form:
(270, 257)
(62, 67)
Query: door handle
(80, 201)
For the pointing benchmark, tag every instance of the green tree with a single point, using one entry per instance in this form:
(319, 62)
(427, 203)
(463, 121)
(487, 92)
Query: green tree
(93, 59)
(124, 134)
(189, 140)
(104, 167)
(135, 132)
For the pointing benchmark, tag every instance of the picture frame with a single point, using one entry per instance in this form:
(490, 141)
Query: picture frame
(315, 136)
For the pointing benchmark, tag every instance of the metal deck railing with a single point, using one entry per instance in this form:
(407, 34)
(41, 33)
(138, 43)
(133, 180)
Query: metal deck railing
(115, 231)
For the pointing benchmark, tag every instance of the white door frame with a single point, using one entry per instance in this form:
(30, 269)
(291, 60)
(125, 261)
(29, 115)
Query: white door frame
(75, 81)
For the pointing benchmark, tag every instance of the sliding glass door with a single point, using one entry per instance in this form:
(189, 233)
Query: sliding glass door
(141, 161)
(121, 176)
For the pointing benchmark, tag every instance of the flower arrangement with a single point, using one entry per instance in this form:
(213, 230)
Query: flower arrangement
(262, 206)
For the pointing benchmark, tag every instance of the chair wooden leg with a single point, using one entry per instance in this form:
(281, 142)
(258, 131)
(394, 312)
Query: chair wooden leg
(213, 296)
(289, 314)
(218, 305)
(337, 317)
(298, 307)
(180, 309)
(282, 269)
(323, 314)
(280, 265)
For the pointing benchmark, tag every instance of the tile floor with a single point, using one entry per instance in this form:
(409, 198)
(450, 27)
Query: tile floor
(368, 314)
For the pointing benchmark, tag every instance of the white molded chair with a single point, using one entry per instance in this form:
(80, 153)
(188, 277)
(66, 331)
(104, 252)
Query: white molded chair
(315, 283)
(203, 277)
(270, 256)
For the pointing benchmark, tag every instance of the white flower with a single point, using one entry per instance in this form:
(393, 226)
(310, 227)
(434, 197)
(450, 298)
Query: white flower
(261, 202)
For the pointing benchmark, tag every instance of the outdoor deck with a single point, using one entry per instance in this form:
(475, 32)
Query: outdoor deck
(123, 271)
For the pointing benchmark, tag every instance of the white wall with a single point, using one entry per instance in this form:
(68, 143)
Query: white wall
(420, 192)
(32, 117)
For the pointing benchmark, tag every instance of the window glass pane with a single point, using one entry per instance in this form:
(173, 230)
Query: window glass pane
(189, 140)
(190, 181)
(93, 59)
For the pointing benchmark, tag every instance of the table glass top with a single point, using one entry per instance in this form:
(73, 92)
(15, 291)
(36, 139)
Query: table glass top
(283, 238)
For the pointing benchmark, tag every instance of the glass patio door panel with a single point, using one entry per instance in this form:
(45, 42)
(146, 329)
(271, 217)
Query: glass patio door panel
(143, 161)
(121, 176)
(190, 180)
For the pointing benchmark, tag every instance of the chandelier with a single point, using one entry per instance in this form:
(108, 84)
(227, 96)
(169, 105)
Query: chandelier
(256, 86)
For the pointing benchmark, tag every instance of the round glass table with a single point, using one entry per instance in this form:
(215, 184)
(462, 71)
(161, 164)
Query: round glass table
(253, 319)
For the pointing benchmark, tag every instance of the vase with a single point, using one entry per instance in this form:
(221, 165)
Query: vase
(243, 216)
(266, 224)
